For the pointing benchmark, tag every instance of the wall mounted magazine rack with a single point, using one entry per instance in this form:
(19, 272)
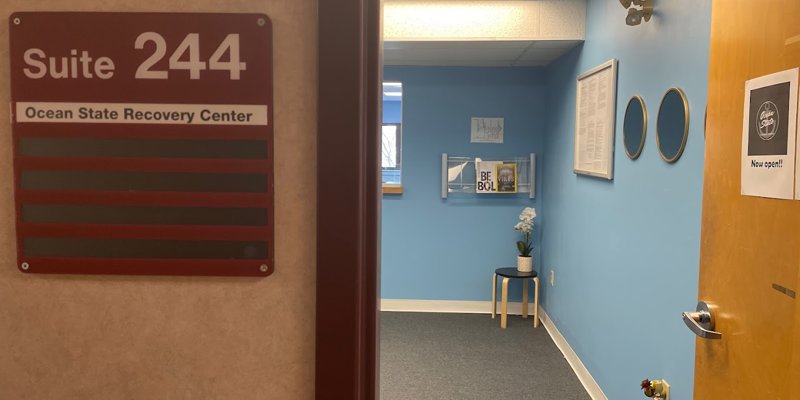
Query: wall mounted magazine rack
(459, 174)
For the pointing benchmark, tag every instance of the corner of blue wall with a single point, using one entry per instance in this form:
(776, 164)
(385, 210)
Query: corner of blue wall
(447, 249)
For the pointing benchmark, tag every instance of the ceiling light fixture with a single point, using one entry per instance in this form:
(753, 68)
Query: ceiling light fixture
(637, 10)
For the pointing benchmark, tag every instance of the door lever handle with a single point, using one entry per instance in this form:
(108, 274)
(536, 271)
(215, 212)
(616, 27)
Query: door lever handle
(701, 322)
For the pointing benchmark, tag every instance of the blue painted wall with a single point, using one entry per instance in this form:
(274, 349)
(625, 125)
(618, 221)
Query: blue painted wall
(447, 249)
(625, 253)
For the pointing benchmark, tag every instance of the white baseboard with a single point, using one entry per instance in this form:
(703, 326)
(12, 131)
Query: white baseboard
(583, 374)
(485, 307)
(448, 306)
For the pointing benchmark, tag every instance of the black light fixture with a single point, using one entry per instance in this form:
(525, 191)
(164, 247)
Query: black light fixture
(637, 10)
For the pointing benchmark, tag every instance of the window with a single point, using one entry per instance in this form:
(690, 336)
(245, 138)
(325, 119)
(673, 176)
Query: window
(392, 138)
(390, 157)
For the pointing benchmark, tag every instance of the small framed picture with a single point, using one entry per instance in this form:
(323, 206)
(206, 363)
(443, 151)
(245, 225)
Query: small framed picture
(506, 178)
(487, 130)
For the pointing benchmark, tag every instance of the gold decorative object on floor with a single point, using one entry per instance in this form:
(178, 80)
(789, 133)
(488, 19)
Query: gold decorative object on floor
(656, 389)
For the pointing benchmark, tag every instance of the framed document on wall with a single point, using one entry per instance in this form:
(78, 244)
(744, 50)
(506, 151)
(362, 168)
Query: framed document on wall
(595, 109)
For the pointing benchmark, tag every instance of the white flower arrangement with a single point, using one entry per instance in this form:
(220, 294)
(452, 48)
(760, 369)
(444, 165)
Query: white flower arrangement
(525, 225)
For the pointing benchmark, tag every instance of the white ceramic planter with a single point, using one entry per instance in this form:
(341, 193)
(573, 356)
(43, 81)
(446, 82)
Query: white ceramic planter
(524, 264)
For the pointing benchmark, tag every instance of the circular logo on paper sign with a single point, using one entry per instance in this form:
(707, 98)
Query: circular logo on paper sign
(767, 120)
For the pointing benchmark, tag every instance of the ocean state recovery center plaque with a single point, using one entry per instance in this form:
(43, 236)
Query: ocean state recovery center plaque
(143, 143)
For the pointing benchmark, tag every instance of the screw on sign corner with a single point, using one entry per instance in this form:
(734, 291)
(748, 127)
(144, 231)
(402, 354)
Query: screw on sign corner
(264, 268)
(262, 22)
(17, 21)
(25, 266)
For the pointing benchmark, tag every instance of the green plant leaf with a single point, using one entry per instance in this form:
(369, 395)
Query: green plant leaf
(521, 246)
(525, 248)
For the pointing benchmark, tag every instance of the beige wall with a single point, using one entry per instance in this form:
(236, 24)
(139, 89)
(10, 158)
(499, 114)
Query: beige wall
(83, 337)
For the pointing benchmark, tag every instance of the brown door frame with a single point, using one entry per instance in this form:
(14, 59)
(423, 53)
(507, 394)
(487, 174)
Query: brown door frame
(348, 199)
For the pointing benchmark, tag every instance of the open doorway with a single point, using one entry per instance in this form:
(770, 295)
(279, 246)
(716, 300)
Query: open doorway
(597, 253)
(437, 337)
(462, 124)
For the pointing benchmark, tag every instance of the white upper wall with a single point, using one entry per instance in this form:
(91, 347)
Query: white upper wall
(484, 20)
(481, 32)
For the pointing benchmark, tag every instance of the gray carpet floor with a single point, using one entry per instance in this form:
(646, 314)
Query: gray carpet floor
(428, 356)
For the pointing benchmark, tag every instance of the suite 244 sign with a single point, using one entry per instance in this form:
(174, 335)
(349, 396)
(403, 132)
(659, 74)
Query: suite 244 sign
(143, 143)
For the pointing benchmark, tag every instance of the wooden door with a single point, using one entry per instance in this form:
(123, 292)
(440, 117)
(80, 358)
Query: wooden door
(748, 243)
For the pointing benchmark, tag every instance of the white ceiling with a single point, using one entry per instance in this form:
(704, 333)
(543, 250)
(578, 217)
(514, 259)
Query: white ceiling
(478, 53)
(481, 32)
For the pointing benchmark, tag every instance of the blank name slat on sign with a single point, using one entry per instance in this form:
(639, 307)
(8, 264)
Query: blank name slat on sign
(187, 199)
(142, 148)
(145, 164)
(128, 163)
(142, 215)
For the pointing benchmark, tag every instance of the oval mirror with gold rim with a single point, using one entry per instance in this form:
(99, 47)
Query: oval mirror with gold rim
(672, 126)
(634, 127)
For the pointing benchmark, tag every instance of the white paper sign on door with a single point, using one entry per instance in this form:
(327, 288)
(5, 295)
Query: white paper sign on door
(769, 135)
